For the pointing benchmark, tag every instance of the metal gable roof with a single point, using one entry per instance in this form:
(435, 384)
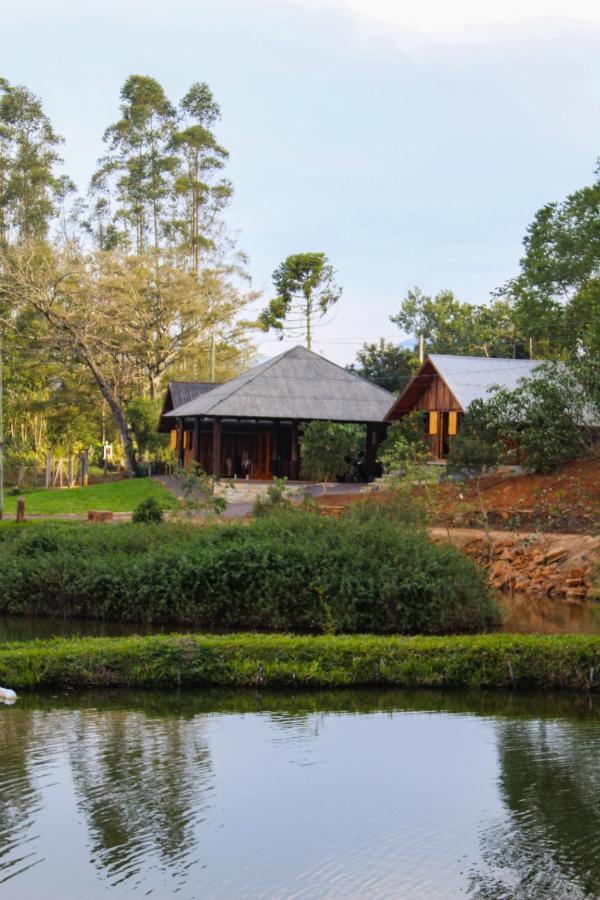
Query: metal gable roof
(297, 384)
(472, 377)
(184, 391)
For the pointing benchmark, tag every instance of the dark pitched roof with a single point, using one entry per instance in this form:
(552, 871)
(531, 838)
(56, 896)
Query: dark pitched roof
(178, 393)
(184, 391)
(297, 384)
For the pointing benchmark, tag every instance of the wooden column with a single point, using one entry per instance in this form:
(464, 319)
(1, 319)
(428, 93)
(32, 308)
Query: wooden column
(179, 453)
(197, 440)
(295, 466)
(371, 451)
(216, 449)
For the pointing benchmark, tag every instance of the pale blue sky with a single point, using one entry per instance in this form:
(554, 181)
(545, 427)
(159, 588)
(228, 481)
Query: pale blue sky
(411, 142)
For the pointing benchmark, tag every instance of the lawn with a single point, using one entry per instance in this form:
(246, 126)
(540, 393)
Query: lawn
(117, 496)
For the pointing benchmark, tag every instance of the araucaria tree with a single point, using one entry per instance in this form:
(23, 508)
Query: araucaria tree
(306, 290)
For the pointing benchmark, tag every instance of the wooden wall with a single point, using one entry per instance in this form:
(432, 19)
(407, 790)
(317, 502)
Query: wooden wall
(437, 395)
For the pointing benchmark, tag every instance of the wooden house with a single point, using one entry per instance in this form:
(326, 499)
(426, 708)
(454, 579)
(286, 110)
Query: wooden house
(250, 426)
(445, 386)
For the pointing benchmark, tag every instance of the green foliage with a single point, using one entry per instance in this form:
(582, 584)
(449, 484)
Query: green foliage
(450, 325)
(385, 364)
(29, 187)
(547, 416)
(404, 447)
(306, 289)
(198, 490)
(557, 292)
(275, 499)
(477, 447)
(289, 571)
(148, 512)
(327, 449)
(143, 415)
(489, 661)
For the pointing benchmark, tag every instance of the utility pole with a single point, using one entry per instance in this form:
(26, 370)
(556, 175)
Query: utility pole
(213, 357)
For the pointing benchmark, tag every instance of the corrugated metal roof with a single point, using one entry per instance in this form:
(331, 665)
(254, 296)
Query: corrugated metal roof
(472, 377)
(185, 391)
(297, 384)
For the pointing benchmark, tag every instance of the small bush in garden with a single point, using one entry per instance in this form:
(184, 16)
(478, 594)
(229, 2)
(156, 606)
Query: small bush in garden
(148, 512)
(274, 499)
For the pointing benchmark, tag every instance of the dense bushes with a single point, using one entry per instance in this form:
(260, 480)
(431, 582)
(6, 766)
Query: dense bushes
(285, 661)
(290, 571)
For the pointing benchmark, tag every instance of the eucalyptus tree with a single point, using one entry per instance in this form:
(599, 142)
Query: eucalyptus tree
(139, 165)
(29, 186)
(306, 291)
(200, 195)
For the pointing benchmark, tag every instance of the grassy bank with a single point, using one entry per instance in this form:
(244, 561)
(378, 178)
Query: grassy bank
(281, 661)
(115, 496)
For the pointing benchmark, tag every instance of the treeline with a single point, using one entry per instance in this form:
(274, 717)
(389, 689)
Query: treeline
(103, 295)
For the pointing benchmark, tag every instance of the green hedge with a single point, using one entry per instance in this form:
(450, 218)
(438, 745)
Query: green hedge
(292, 571)
(282, 661)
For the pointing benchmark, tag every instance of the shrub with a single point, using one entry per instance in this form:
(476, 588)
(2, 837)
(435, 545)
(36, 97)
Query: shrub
(148, 511)
(328, 449)
(289, 571)
(275, 499)
(405, 445)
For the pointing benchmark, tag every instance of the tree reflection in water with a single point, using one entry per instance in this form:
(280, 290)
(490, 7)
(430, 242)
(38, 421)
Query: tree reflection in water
(142, 790)
(549, 844)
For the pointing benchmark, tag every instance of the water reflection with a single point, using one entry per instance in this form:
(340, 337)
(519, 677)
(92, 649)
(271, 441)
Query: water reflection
(341, 794)
(549, 844)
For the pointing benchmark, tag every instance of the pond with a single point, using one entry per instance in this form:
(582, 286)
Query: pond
(346, 794)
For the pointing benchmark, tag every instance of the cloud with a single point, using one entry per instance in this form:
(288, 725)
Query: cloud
(458, 20)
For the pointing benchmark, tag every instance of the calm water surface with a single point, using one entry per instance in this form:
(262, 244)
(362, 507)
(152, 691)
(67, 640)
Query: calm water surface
(357, 794)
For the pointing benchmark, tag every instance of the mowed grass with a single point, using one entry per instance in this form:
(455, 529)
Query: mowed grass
(116, 496)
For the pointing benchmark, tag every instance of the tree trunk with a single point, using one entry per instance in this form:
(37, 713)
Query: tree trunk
(117, 412)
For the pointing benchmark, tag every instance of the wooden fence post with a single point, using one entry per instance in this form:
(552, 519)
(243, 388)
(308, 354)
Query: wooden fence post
(49, 469)
(85, 469)
(20, 509)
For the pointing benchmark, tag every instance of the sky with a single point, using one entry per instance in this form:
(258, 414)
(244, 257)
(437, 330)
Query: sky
(410, 142)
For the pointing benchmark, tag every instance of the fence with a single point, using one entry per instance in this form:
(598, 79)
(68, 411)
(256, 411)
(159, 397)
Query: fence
(62, 471)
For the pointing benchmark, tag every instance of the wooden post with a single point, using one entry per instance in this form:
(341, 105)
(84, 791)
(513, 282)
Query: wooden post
(48, 469)
(371, 454)
(70, 480)
(295, 462)
(216, 449)
(179, 454)
(85, 468)
(20, 509)
(197, 440)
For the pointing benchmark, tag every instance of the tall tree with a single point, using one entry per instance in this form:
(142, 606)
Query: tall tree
(557, 292)
(139, 165)
(385, 364)
(200, 158)
(306, 290)
(449, 325)
(82, 323)
(29, 187)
